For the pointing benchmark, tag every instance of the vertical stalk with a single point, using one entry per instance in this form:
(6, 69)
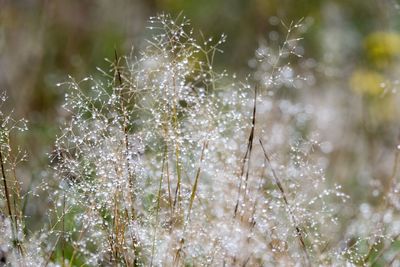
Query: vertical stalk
(246, 158)
(14, 227)
(158, 207)
(18, 216)
(289, 209)
(126, 136)
(6, 191)
(196, 180)
(177, 150)
(63, 233)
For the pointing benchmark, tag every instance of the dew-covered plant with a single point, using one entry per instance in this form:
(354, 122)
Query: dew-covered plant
(168, 162)
(165, 161)
(16, 246)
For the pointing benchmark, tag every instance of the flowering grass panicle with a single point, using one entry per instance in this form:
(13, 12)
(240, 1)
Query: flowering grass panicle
(152, 166)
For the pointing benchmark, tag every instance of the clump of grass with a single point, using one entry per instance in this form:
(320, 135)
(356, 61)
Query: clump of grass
(151, 161)
(13, 219)
(17, 245)
(128, 155)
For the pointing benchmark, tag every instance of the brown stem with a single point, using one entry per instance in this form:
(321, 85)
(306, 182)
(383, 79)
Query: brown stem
(196, 180)
(3, 173)
(131, 179)
(291, 214)
(246, 158)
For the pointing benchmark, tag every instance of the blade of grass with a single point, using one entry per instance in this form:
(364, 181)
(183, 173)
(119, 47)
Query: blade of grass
(247, 156)
(194, 189)
(6, 190)
(158, 207)
(285, 199)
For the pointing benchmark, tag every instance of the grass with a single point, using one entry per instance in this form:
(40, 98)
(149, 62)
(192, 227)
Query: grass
(155, 157)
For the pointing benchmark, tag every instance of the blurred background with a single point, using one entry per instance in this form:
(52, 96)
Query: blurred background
(352, 49)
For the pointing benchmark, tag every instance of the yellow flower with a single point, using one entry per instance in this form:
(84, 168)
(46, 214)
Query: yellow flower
(382, 47)
(367, 82)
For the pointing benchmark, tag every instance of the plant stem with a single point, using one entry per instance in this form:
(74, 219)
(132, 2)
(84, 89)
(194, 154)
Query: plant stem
(6, 191)
(291, 214)
(247, 156)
